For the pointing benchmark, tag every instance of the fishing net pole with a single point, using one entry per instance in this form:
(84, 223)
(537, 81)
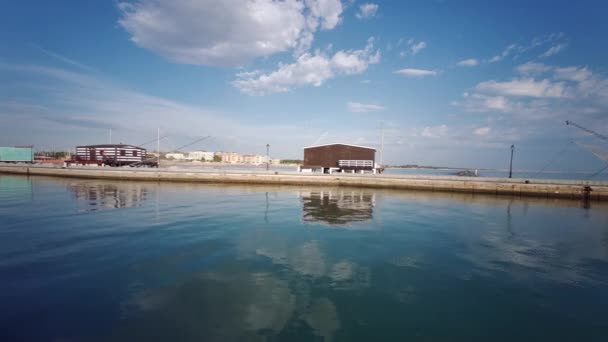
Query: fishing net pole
(192, 143)
(153, 140)
(598, 172)
(554, 157)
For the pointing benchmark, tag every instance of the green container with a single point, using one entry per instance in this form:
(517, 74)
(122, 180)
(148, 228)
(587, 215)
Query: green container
(16, 154)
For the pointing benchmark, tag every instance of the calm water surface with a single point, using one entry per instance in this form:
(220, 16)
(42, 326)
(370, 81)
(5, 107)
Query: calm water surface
(88, 260)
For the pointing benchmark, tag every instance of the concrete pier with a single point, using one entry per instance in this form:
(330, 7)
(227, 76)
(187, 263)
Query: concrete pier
(573, 189)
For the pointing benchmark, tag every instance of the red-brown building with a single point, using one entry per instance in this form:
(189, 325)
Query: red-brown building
(339, 157)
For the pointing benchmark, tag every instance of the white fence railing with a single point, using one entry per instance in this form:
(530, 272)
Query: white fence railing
(356, 163)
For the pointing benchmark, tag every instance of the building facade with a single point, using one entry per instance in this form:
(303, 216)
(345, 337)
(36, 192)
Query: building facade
(231, 157)
(339, 158)
(200, 155)
(115, 155)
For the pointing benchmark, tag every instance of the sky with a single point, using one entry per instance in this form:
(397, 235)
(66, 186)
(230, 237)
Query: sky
(449, 83)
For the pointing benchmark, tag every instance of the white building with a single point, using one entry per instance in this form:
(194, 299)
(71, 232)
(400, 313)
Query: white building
(200, 155)
(254, 159)
(208, 156)
(176, 156)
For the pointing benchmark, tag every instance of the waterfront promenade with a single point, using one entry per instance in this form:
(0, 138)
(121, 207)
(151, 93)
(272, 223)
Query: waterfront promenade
(572, 189)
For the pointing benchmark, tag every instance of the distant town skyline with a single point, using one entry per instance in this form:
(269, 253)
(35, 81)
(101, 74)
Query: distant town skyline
(450, 83)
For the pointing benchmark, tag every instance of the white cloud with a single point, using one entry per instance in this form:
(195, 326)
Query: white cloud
(434, 131)
(482, 131)
(309, 70)
(527, 87)
(247, 74)
(327, 12)
(504, 54)
(532, 68)
(546, 39)
(553, 50)
(481, 103)
(468, 62)
(230, 32)
(412, 48)
(356, 107)
(574, 74)
(415, 72)
(545, 92)
(499, 103)
(517, 49)
(495, 59)
(367, 11)
(79, 108)
(415, 48)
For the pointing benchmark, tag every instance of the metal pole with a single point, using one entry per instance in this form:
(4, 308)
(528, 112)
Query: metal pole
(158, 147)
(382, 146)
(511, 164)
(110, 136)
(267, 157)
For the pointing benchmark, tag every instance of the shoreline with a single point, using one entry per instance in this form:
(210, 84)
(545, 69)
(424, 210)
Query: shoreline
(548, 188)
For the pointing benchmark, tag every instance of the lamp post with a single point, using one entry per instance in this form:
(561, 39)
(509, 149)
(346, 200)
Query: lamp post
(511, 164)
(267, 157)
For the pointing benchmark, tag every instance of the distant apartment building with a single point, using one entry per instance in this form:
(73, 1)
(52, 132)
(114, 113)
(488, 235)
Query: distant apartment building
(248, 158)
(231, 157)
(201, 155)
(176, 156)
(254, 159)
(208, 156)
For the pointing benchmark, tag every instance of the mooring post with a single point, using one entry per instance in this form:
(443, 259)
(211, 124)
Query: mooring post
(267, 157)
(511, 163)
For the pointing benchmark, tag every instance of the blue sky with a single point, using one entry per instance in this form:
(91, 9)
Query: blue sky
(447, 82)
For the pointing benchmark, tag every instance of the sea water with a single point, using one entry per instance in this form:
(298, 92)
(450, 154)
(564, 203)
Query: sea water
(90, 260)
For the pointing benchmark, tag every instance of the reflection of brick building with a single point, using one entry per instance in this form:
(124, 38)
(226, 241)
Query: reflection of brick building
(106, 196)
(337, 206)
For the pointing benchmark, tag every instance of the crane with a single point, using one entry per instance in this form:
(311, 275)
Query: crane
(594, 133)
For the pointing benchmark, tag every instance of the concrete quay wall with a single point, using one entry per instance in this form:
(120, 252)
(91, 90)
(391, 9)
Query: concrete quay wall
(573, 189)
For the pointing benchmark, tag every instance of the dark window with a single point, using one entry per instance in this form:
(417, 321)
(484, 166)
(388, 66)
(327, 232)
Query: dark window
(134, 153)
(123, 152)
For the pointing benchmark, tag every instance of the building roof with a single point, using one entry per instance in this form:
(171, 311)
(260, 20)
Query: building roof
(369, 148)
(112, 146)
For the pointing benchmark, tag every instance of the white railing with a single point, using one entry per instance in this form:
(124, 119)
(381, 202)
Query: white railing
(356, 163)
